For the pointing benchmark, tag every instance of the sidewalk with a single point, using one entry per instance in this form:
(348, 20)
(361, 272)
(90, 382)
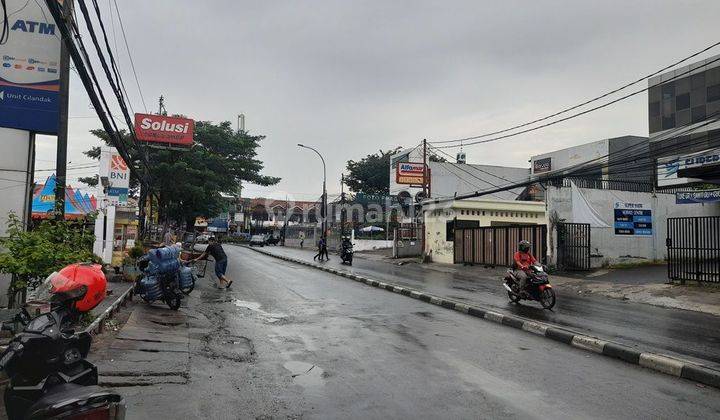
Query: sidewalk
(685, 334)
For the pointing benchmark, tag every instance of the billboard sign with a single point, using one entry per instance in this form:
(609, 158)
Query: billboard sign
(409, 173)
(174, 131)
(30, 68)
(668, 168)
(633, 219)
(694, 197)
(542, 165)
(116, 170)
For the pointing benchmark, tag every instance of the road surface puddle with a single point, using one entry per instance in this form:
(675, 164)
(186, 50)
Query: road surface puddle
(255, 307)
(305, 374)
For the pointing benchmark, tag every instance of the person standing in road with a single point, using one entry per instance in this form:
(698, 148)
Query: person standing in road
(218, 253)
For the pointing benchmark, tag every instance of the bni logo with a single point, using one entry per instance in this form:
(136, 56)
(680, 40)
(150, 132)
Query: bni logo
(117, 163)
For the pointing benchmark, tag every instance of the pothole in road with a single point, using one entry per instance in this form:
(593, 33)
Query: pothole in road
(268, 317)
(306, 374)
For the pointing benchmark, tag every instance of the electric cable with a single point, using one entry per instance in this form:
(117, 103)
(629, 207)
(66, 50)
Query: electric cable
(132, 63)
(589, 101)
(578, 114)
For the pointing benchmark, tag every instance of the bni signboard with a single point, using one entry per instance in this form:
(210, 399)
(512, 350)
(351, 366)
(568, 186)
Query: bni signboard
(116, 170)
(633, 219)
(30, 68)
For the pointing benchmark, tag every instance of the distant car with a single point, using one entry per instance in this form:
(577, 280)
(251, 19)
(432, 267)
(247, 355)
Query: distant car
(258, 240)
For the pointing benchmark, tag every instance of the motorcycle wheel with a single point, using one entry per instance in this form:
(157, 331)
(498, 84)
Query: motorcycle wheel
(188, 290)
(547, 298)
(174, 301)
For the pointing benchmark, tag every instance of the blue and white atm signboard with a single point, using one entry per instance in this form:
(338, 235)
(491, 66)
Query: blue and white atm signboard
(633, 219)
(30, 68)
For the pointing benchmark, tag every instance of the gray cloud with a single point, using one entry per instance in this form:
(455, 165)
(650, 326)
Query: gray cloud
(353, 77)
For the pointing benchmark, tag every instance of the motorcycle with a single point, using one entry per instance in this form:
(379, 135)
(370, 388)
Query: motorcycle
(163, 278)
(346, 253)
(45, 363)
(537, 287)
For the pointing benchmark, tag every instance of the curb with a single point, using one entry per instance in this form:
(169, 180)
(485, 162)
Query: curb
(657, 362)
(96, 327)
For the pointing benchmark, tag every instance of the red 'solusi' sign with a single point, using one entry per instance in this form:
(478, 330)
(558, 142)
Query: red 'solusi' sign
(164, 129)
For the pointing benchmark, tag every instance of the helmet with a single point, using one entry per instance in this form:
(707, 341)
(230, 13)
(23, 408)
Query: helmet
(83, 284)
(524, 246)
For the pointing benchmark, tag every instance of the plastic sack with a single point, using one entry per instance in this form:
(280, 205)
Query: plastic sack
(151, 288)
(166, 253)
(186, 278)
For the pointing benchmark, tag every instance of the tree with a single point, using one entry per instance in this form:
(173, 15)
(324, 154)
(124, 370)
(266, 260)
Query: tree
(436, 158)
(190, 182)
(370, 175)
(32, 255)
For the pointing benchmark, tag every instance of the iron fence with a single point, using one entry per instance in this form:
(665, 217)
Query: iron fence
(693, 248)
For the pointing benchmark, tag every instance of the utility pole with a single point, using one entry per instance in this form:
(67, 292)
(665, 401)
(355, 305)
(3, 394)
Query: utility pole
(343, 212)
(62, 137)
(424, 195)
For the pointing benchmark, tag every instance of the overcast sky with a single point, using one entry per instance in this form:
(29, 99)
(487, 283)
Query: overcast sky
(353, 77)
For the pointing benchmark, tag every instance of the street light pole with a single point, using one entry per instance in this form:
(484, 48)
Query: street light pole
(323, 209)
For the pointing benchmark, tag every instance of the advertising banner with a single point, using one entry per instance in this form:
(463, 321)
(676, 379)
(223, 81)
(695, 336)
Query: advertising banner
(542, 165)
(633, 219)
(693, 197)
(163, 129)
(116, 170)
(668, 167)
(409, 173)
(30, 68)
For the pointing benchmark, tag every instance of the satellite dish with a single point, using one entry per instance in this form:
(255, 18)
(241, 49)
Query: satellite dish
(404, 198)
(420, 196)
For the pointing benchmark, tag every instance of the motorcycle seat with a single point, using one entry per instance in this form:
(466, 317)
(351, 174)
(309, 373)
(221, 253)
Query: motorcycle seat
(62, 396)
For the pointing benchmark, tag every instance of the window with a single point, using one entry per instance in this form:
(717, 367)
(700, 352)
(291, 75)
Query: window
(668, 90)
(698, 113)
(668, 122)
(667, 107)
(450, 230)
(654, 108)
(697, 81)
(713, 93)
(681, 102)
(483, 213)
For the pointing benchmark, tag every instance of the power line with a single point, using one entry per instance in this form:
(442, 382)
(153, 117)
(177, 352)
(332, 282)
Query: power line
(579, 168)
(578, 114)
(132, 63)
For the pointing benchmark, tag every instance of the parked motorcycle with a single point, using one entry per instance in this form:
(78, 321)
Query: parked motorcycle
(163, 278)
(49, 376)
(346, 251)
(537, 287)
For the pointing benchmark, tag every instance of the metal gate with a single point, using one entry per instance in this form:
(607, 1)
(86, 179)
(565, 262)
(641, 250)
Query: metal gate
(495, 245)
(693, 248)
(573, 246)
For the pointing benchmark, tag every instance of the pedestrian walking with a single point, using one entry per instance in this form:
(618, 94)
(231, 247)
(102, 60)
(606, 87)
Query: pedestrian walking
(321, 248)
(218, 253)
(325, 251)
(301, 236)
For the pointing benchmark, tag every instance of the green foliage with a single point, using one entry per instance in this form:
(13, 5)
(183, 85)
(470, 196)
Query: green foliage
(33, 255)
(91, 181)
(190, 182)
(136, 251)
(369, 175)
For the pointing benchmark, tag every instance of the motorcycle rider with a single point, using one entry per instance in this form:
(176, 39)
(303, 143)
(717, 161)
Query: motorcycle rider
(523, 259)
(346, 244)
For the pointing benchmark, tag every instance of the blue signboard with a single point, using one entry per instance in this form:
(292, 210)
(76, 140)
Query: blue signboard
(30, 69)
(633, 219)
(692, 197)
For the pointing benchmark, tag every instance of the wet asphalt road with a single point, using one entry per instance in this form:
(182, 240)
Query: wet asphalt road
(291, 342)
(686, 334)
